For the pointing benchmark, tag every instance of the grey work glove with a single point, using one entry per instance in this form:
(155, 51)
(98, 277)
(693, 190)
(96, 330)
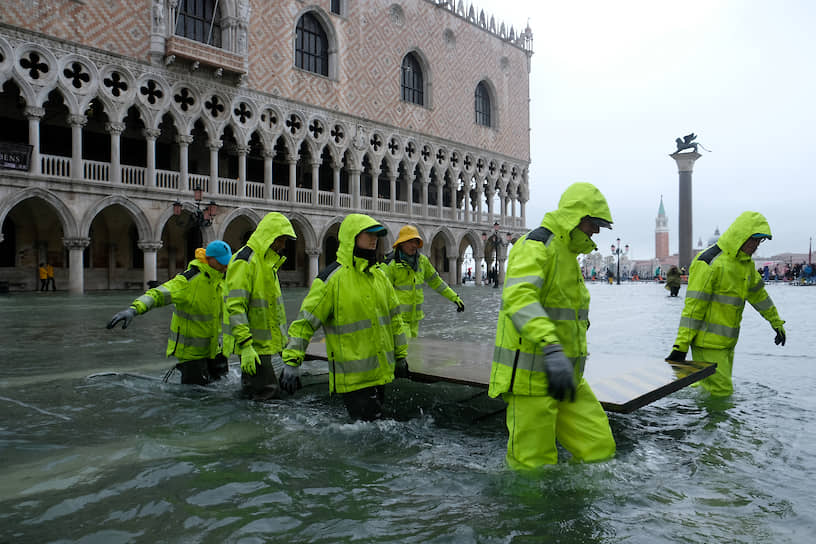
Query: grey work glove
(401, 369)
(126, 316)
(560, 373)
(290, 378)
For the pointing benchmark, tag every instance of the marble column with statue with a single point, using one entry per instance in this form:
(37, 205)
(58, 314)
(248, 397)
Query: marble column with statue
(685, 167)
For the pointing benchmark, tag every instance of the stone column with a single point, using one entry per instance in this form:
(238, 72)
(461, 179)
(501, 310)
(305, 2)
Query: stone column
(76, 270)
(375, 189)
(466, 203)
(34, 114)
(477, 266)
(314, 263)
(268, 155)
(214, 147)
(76, 122)
(685, 167)
(440, 186)
(454, 277)
(354, 186)
(336, 184)
(151, 135)
(425, 180)
(489, 195)
(315, 180)
(392, 186)
(243, 151)
(291, 160)
(115, 130)
(184, 141)
(479, 200)
(150, 249)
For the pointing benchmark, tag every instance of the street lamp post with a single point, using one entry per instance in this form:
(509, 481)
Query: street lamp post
(497, 241)
(203, 218)
(616, 250)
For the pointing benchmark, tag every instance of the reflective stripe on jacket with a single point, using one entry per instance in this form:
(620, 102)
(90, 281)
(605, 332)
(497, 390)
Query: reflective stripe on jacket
(721, 279)
(196, 323)
(544, 300)
(409, 285)
(357, 307)
(254, 303)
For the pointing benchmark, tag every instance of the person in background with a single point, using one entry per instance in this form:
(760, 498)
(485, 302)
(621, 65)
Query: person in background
(195, 327)
(355, 303)
(541, 348)
(255, 318)
(43, 272)
(409, 270)
(49, 271)
(721, 279)
(673, 281)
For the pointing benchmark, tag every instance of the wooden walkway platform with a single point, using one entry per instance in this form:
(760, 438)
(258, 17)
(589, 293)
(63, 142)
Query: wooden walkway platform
(622, 384)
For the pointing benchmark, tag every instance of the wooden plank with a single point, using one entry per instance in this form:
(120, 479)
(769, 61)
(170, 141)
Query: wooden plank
(621, 383)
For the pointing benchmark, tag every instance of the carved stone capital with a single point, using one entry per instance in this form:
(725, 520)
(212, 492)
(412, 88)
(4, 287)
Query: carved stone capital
(150, 246)
(33, 112)
(77, 120)
(215, 145)
(184, 139)
(151, 133)
(76, 243)
(313, 252)
(115, 128)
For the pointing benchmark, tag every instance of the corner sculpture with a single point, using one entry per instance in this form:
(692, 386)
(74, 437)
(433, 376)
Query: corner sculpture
(687, 142)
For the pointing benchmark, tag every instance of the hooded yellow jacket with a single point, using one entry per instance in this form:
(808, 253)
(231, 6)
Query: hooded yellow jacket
(544, 300)
(196, 323)
(721, 279)
(254, 304)
(358, 309)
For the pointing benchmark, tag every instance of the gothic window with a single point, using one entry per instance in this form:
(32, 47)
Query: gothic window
(199, 21)
(482, 97)
(336, 7)
(311, 46)
(412, 84)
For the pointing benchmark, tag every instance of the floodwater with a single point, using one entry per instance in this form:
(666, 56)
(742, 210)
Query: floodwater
(95, 448)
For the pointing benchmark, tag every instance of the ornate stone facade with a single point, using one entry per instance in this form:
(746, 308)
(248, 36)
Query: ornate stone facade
(124, 117)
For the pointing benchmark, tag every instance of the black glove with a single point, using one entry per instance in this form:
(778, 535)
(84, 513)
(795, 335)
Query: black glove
(780, 336)
(126, 316)
(676, 356)
(560, 373)
(460, 306)
(290, 378)
(401, 369)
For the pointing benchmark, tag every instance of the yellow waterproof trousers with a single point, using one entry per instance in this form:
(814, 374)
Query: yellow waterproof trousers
(718, 384)
(534, 424)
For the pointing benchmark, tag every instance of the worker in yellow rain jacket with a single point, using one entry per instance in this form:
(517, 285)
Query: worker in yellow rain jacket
(409, 270)
(721, 279)
(195, 327)
(356, 305)
(255, 317)
(541, 349)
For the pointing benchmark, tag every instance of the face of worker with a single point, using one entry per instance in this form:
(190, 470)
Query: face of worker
(751, 245)
(216, 265)
(367, 240)
(410, 247)
(279, 243)
(588, 227)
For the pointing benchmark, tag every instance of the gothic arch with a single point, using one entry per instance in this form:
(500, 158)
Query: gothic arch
(331, 36)
(142, 224)
(69, 225)
(305, 227)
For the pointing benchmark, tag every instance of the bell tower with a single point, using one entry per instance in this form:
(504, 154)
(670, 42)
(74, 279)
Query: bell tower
(661, 233)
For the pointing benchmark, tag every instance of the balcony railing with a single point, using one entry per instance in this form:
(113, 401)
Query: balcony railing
(59, 167)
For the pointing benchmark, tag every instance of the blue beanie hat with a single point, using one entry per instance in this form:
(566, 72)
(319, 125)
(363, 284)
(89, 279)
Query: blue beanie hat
(220, 251)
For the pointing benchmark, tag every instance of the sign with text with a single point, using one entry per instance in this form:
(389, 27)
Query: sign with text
(15, 156)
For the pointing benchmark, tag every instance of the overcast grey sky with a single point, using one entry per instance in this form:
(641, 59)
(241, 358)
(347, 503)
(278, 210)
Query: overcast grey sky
(614, 83)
